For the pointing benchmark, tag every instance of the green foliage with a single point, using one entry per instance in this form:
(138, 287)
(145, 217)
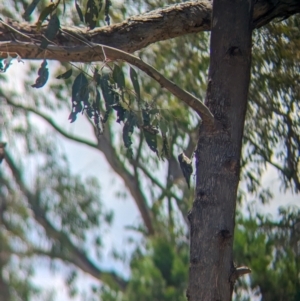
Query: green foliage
(271, 248)
(65, 75)
(93, 8)
(158, 274)
(51, 31)
(45, 13)
(43, 74)
(79, 11)
(272, 126)
(135, 83)
(135, 112)
(139, 113)
(30, 8)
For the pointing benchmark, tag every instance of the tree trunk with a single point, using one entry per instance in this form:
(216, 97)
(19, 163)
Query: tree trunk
(218, 153)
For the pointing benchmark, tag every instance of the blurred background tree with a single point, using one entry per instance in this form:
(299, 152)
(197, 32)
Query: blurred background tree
(50, 214)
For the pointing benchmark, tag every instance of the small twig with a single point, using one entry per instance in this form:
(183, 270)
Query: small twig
(15, 30)
(239, 272)
(53, 124)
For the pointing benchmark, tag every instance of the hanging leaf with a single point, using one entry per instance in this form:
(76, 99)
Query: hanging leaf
(150, 131)
(45, 13)
(99, 3)
(121, 112)
(110, 96)
(65, 75)
(165, 151)
(79, 11)
(151, 138)
(98, 99)
(97, 118)
(51, 31)
(30, 9)
(135, 83)
(163, 125)
(118, 77)
(80, 94)
(107, 91)
(106, 11)
(128, 131)
(93, 7)
(146, 116)
(43, 74)
(97, 77)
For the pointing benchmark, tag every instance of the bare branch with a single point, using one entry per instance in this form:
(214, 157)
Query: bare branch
(50, 121)
(192, 101)
(105, 146)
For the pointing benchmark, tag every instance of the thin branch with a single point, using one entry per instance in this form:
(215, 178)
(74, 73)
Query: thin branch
(50, 121)
(239, 272)
(263, 155)
(267, 159)
(157, 183)
(105, 146)
(192, 101)
(77, 257)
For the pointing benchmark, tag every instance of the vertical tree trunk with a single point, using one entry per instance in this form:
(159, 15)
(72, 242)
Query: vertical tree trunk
(218, 153)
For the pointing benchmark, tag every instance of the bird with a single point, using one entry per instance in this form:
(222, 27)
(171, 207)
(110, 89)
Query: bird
(186, 167)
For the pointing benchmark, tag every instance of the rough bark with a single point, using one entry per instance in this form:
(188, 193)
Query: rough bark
(135, 33)
(218, 154)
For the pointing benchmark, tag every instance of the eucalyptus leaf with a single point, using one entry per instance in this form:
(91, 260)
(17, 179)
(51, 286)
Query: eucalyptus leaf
(118, 77)
(151, 140)
(92, 13)
(128, 131)
(44, 14)
(43, 74)
(65, 75)
(30, 8)
(79, 11)
(51, 31)
(80, 95)
(135, 83)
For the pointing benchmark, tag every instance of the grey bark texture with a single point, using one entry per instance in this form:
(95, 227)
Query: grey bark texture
(218, 153)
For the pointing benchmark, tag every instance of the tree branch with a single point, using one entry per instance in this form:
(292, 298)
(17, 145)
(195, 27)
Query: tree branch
(50, 121)
(113, 54)
(283, 170)
(134, 33)
(104, 145)
(192, 101)
(75, 255)
(79, 45)
(158, 184)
